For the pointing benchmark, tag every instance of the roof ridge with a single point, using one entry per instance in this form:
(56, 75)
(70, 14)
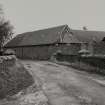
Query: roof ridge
(44, 29)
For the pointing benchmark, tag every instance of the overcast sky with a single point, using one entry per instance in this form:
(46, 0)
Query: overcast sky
(29, 15)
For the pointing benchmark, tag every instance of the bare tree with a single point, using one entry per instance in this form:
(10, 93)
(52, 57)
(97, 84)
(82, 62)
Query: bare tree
(5, 30)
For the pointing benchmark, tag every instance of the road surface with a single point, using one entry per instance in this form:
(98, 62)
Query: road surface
(67, 86)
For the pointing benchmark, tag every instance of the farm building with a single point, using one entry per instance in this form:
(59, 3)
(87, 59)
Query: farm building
(42, 44)
(94, 40)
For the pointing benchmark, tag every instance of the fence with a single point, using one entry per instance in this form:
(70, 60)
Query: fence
(94, 64)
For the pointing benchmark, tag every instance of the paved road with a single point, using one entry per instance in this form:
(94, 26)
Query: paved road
(67, 86)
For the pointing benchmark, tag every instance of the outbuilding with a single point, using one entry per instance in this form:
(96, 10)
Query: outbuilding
(42, 44)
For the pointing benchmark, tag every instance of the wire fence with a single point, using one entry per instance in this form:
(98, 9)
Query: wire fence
(88, 63)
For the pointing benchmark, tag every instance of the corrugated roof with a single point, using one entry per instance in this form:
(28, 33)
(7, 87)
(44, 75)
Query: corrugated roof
(45, 36)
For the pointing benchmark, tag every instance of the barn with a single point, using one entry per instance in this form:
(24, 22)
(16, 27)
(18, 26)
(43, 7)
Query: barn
(94, 40)
(42, 44)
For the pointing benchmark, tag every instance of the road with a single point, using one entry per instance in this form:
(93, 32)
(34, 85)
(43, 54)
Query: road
(67, 86)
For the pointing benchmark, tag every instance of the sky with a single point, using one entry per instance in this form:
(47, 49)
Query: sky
(31, 15)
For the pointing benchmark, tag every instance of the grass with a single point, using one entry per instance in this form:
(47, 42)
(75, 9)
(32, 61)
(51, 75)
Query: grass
(13, 78)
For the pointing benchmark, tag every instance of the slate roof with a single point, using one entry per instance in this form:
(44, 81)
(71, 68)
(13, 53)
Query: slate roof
(41, 37)
(87, 36)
